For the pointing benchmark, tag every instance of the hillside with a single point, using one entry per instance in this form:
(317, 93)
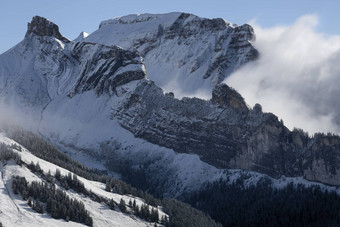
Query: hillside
(16, 212)
(107, 201)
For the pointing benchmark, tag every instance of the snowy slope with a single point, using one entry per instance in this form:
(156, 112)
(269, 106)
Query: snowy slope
(15, 212)
(183, 53)
(28, 90)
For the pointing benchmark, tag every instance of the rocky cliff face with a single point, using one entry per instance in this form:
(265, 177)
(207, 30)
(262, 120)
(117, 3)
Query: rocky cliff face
(183, 53)
(226, 134)
(43, 27)
(104, 68)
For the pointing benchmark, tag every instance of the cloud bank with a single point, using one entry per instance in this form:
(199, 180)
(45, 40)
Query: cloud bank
(297, 76)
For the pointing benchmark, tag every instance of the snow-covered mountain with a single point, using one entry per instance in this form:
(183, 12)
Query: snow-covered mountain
(95, 96)
(183, 53)
(72, 91)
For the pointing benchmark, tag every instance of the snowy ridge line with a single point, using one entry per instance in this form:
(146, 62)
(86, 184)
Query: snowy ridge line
(137, 18)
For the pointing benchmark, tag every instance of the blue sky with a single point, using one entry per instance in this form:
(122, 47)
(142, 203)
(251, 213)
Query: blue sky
(74, 16)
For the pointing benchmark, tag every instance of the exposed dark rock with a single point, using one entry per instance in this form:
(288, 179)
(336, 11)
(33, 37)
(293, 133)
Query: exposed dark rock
(176, 29)
(257, 108)
(226, 96)
(102, 67)
(43, 27)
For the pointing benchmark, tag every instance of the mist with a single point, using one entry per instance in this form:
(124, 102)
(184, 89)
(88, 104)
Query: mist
(297, 76)
(19, 115)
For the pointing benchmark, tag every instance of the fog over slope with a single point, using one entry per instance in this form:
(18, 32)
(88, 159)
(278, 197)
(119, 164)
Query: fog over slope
(296, 76)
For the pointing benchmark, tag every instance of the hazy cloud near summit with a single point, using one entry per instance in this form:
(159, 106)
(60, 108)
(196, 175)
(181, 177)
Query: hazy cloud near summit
(297, 76)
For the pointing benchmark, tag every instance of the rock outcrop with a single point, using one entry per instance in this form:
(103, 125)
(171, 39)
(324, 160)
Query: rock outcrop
(43, 27)
(104, 68)
(226, 134)
(223, 95)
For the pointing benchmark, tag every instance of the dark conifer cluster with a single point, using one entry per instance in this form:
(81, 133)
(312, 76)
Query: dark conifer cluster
(70, 181)
(7, 153)
(143, 211)
(262, 205)
(120, 187)
(56, 202)
(182, 214)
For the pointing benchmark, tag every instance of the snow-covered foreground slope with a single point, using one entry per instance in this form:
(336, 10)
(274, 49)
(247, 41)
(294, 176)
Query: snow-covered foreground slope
(14, 211)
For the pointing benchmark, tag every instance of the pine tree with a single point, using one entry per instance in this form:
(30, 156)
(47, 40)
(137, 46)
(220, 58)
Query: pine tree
(57, 174)
(108, 187)
(135, 208)
(38, 207)
(38, 168)
(154, 215)
(165, 220)
(29, 202)
(111, 204)
(122, 206)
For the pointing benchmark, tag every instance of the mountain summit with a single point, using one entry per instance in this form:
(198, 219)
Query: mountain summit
(183, 53)
(43, 27)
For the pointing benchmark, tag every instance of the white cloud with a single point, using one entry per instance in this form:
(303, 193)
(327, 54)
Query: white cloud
(297, 76)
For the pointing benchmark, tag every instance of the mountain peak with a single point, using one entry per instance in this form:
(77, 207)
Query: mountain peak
(81, 37)
(43, 27)
(198, 52)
